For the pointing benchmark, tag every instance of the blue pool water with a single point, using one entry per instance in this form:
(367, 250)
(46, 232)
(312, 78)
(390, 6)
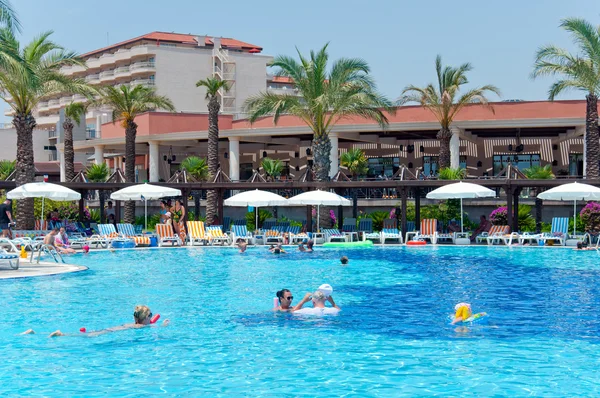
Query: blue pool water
(391, 339)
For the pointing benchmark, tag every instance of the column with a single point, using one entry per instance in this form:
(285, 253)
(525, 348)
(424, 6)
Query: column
(98, 154)
(234, 158)
(98, 127)
(333, 155)
(153, 163)
(455, 148)
(61, 158)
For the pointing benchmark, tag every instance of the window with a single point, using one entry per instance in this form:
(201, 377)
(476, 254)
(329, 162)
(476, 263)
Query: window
(521, 161)
(90, 131)
(386, 165)
(246, 171)
(151, 60)
(576, 164)
(431, 164)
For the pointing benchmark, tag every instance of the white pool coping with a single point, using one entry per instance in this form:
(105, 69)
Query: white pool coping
(44, 268)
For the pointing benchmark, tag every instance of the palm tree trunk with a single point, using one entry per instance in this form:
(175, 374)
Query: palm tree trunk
(130, 134)
(25, 170)
(213, 157)
(197, 195)
(444, 135)
(592, 138)
(69, 153)
(538, 214)
(321, 147)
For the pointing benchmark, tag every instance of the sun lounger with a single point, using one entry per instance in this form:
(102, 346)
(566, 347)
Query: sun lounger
(241, 232)
(273, 236)
(269, 223)
(167, 235)
(390, 231)
(197, 233)
(216, 235)
(558, 233)
(366, 227)
(9, 253)
(226, 224)
(127, 231)
(334, 235)
(496, 234)
(428, 231)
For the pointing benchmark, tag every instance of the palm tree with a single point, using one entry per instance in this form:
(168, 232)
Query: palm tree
(73, 113)
(213, 86)
(98, 173)
(445, 101)
(198, 169)
(272, 168)
(324, 97)
(355, 161)
(579, 72)
(126, 104)
(22, 85)
(8, 16)
(7, 167)
(539, 173)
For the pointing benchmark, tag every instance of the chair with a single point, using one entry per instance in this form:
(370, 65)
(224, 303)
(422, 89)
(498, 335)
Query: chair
(559, 231)
(296, 236)
(349, 228)
(41, 225)
(11, 256)
(107, 232)
(241, 221)
(496, 234)
(197, 233)
(428, 231)
(167, 235)
(269, 223)
(241, 232)
(366, 227)
(273, 236)
(128, 231)
(226, 224)
(138, 228)
(390, 231)
(334, 235)
(216, 235)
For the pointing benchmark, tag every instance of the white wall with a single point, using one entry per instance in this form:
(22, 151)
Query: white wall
(8, 149)
(177, 71)
(251, 75)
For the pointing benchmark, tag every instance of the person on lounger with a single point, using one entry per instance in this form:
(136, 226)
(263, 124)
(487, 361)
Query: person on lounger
(484, 226)
(141, 318)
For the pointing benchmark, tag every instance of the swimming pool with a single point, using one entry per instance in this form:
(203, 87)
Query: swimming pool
(392, 338)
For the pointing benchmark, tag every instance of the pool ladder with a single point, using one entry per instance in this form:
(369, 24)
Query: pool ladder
(47, 249)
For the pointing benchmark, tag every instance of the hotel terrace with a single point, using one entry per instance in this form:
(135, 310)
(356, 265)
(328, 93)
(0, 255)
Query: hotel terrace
(521, 132)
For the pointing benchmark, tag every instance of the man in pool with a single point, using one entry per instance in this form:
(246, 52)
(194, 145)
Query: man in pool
(141, 317)
(318, 299)
(344, 260)
(241, 244)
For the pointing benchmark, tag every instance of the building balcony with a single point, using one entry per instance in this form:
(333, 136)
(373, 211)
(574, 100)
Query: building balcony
(49, 120)
(93, 79)
(107, 76)
(42, 106)
(79, 98)
(142, 67)
(53, 104)
(123, 71)
(282, 90)
(9, 112)
(142, 82)
(66, 100)
(52, 134)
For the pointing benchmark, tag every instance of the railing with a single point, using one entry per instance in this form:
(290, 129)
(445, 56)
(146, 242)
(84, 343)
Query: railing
(142, 82)
(6, 126)
(79, 98)
(90, 134)
(122, 70)
(53, 103)
(107, 73)
(52, 134)
(53, 156)
(140, 65)
(90, 78)
(47, 249)
(66, 100)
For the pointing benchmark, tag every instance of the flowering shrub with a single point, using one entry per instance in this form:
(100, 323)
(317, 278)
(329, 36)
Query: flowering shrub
(393, 213)
(590, 216)
(499, 216)
(333, 218)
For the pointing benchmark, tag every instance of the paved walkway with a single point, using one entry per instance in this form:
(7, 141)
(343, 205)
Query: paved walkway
(27, 269)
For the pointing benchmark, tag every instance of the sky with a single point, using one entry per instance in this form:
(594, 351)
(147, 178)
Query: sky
(399, 39)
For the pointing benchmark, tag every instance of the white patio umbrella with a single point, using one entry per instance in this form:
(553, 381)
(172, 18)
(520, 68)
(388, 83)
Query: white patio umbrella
(319, 198)
(43, 190)
(256, 198)
(573, 191)
(461, 190)
(144, 192)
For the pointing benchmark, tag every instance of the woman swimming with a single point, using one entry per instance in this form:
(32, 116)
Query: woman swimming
(285, 301)
(141, 317)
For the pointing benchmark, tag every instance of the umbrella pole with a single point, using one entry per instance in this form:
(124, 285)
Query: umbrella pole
(461, 216)
(318, 217)
(256, 218)
(574, 218)
(42, 215)
(145, 214)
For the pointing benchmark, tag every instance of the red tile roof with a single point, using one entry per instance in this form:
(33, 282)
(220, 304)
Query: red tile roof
(281, 79)
(178, 38)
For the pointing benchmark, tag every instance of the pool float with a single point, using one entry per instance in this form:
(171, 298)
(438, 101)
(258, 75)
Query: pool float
(317, 311)
(123, 244)
(416, 243)
(360, 244)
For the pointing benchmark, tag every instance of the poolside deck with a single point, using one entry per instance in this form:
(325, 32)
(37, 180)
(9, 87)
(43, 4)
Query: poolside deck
(27, 269)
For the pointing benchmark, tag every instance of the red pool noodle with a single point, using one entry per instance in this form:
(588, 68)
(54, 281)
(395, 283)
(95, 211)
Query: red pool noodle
(155, 318)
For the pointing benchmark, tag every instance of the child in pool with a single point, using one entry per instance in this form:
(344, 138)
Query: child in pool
(463, 312)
